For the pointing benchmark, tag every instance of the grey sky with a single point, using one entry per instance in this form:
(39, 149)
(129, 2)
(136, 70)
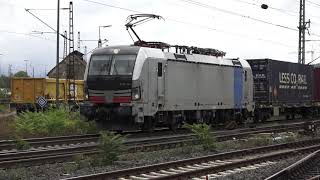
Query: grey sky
(185, 24)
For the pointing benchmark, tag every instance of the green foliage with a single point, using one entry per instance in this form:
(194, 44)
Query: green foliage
(4, 82)
(261, 140)
(52, 122)
(203, 135)
(21, 144)
(291, 137)
(111, 145)
(2, 108)
(21, 74)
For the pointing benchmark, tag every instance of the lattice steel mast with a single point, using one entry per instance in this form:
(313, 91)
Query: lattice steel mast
(302, 32)
(70, 64)
(65, 45)
(78, 43)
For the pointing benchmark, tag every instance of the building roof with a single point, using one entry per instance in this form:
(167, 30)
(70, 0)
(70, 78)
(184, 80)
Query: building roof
(78, 57)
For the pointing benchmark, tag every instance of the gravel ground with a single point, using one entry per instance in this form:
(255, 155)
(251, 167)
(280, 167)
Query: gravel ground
(263, 172)
(87, 165)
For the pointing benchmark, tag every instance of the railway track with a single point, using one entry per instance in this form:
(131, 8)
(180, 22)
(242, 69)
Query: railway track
(306, 168)
(212, 165)
(132, 139)
(57, 149)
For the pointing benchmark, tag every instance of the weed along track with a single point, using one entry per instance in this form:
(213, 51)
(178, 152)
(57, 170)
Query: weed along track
(211, 165)
(65, 148)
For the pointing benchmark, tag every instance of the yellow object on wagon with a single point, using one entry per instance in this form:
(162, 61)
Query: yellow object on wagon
(28, 90)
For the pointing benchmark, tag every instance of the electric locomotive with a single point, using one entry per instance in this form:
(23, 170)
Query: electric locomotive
(135, 87)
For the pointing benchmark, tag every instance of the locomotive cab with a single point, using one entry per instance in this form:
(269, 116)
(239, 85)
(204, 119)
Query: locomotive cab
(109, 86)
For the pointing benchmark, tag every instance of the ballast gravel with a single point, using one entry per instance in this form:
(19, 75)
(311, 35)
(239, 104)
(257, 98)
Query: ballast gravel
(86, 166)
(261, 173)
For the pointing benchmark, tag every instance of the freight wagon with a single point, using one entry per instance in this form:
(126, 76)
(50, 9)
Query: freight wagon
(281, 88)
(316, 84)
(26, 91)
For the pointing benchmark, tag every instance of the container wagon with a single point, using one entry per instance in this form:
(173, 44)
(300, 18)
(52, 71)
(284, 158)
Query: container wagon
(26, 91)
(281, 88)
(316, 89)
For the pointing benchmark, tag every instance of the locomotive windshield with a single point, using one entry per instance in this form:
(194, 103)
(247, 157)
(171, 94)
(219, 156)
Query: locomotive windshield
(112, 64)
(100, 65)
(123, 64)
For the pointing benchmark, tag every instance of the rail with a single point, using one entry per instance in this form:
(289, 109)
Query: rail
(299, 168)
(202, 166)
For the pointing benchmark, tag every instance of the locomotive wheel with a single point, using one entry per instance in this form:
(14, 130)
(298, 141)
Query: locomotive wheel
(149, 124)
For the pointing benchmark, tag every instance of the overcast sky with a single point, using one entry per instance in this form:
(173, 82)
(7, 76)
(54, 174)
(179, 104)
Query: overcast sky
(239, 27)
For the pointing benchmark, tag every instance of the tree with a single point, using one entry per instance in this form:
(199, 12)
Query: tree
(21, 74)
(4, 81)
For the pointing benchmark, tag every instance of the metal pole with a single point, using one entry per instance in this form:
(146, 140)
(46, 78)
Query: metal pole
(57, 60)
(99, 41)
(302, 28)
(26, 66)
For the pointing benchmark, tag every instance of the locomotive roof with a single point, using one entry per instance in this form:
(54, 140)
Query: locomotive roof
(143, 53)
(158, 53)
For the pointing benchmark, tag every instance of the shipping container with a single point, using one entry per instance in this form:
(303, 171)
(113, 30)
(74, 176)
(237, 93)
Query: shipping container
(316, 84)
(28, 90)
(279, 83)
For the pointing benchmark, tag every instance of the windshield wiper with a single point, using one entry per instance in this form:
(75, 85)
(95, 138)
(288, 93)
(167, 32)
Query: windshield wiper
(115, 69)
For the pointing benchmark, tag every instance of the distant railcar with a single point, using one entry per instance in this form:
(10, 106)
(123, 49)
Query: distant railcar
(316, 89)
(132, 87)
(281, 88)
(26, 91)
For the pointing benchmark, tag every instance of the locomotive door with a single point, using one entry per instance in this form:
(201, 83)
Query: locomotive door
(152, 86)
(160, 83)
(156, 83)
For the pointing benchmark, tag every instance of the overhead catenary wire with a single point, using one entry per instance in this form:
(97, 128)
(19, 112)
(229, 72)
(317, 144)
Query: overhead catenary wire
(313, 60)
(288, 12)
(313, 3)
(241, 15)
(26, 34)
(284, 11)
(236, 14)
(190, 23)
(28, 10)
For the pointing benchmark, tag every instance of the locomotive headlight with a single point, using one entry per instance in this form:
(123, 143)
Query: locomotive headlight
(136, 95)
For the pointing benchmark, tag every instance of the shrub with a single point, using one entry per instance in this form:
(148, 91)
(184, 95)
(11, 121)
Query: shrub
(260, 140)
(111, 145)
(52, 122)
(2, 108)
(21, 144)
(203, 135)
(291, 137)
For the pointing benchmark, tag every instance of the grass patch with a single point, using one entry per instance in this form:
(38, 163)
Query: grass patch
(3, 108)
(112, 146)
(260, 140)
(21, 144)
(52, 122)
(203, 135)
